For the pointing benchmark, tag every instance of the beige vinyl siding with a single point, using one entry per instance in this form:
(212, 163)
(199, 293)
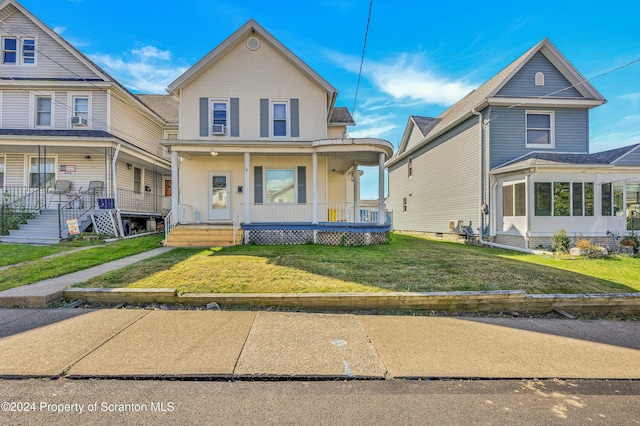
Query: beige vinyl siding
(99, 110)
(337, 187)
(251, 76)
(14, 170)
(414, 137)
(61, 112)
(336, 132)
(445, 184)
(15, 109)
(135, 127)
(52, 60)
(85, 170)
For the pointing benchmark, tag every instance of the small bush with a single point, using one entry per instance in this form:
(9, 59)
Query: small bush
(630, 241)
(561, 241)
(584, 244)
(596, 252)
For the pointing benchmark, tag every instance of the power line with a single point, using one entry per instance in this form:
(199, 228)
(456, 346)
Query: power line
(366, 34)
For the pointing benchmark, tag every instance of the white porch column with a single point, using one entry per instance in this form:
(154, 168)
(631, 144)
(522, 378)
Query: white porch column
(382, 215)
(356, 193)
(314, 186)
(247, 186)
(175, 200)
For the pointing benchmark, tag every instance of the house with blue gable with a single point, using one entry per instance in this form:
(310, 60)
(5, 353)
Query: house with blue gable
(510, 163)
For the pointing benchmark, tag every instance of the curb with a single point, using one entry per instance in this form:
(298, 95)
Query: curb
(467, 301)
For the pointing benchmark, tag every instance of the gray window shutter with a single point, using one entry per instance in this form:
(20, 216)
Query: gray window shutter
(257, 185)
(295, 118)
(302, 185)
(235, 117)
(204, 116)
(264, 118)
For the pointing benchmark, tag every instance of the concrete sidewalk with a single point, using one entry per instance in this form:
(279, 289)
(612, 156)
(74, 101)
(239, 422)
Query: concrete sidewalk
(40, 293)
(128, 343)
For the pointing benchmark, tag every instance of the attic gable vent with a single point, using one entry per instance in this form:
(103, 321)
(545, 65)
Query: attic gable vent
(539, 79)
(253, 44)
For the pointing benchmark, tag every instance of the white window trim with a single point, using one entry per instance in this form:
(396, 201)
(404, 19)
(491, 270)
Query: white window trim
(295, 184)
(552, 136)
(27, 177)
(226, 101)
(526, 201)
(273, 102)
(33, 108)
(19, 51)
(70, 109)
(133, 179)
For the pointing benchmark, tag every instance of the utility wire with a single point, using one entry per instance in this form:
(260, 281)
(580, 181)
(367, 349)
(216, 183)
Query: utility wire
(366, 34)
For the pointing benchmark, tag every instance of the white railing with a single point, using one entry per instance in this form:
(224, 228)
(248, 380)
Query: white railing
(303, 213)
(237, 220)
(168, 224)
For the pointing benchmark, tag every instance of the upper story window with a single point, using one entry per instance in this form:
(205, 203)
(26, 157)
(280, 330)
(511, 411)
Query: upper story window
(540, 129)
(80, 113)
(539, 79)
(18, 51)
(43, 111)
(220, 117)
(280, 118)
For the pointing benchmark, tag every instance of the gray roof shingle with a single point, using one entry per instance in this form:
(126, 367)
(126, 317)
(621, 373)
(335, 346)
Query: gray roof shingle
(341, 115)
(57, 133)
(163, 105)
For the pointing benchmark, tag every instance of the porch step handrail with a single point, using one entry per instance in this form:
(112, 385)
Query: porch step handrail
(168, 224)
(78, 206)
(26, 206)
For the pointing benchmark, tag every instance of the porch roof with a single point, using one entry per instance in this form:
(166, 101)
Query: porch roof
(364, 151)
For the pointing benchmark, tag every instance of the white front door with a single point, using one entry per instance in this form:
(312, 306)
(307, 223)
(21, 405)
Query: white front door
(219, 196)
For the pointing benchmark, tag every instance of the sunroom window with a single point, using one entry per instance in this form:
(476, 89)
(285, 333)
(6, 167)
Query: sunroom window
(564, 198)
(514, 201)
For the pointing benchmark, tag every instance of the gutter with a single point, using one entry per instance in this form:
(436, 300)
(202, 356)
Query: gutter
(480, 230)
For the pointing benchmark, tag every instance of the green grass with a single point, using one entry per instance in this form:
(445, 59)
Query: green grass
(408, 263)
(50, 268)
(10, 254)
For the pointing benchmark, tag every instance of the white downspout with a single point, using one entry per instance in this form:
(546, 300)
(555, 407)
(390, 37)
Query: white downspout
(480, 240)
(115, 189)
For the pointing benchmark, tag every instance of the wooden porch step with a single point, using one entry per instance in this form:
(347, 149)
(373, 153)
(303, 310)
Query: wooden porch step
(203, 236)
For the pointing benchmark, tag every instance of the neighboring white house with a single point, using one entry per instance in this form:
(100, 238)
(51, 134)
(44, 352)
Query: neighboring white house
(71, 135)
(510, 162)
(262, 146)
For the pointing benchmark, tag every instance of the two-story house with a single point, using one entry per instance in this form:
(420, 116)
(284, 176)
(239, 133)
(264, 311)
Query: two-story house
(510, 163)
(72, 137)
(262, 150)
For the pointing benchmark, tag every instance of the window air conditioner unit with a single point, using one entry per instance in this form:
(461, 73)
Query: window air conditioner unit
(218, 129)
(78, 121)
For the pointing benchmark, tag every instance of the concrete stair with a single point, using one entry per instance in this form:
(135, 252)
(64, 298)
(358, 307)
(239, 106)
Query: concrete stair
(43, 229)
(203, 236)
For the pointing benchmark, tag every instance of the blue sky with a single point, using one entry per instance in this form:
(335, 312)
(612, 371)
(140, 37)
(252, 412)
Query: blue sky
(421, 57)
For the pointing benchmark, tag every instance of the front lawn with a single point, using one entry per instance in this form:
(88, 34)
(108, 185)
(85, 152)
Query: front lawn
(10, 254)
(408, 263)
(43, 269)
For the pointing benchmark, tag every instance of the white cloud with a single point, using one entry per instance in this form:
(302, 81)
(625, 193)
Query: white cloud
(147, 69)
(408, 77)
(373, 126)
(59, 30)
(633, 97)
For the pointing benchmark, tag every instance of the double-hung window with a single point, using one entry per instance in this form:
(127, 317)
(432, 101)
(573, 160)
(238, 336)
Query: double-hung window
(220, 117)
(42, 172)
(9, 50)
(43, 111)
(540, 129)
(137, 180)
(80, 110)
(280, 118)
(18, 51)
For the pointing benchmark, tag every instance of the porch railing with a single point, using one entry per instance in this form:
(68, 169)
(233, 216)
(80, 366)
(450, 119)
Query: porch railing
(19, 204)
(78, 206)
(143, 202)
(327, 212)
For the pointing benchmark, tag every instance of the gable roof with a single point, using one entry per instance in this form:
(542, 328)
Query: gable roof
(163, 105)
(533, 159)
(485, 94)
(341, 116)
(9, 7)
(251, 27)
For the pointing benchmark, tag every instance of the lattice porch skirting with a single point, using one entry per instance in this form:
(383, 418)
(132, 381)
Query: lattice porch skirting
(327, 238)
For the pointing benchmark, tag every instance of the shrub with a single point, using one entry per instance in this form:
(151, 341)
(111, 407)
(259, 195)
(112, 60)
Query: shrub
(630, 241)
(584, 244)
(561, 241)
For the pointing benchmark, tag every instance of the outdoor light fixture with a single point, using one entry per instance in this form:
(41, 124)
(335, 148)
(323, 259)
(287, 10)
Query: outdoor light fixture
(214, 153)
(129, 166)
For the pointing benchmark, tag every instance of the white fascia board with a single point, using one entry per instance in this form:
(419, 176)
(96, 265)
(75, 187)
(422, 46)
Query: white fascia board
(545, 102)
